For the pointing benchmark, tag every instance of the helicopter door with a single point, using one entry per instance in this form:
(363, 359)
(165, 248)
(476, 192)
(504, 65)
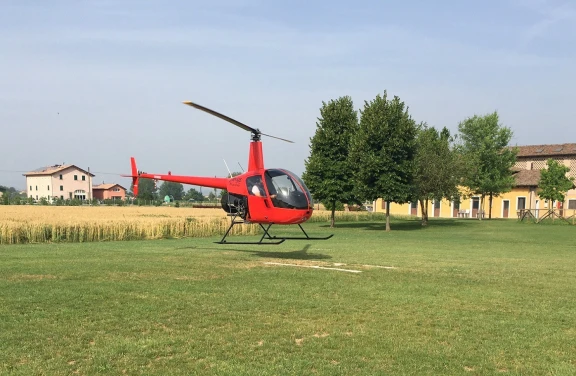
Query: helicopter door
(258, 200)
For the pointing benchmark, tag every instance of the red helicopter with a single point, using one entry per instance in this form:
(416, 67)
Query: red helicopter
(259, 195)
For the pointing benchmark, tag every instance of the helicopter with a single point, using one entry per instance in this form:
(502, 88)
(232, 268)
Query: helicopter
(266, 197)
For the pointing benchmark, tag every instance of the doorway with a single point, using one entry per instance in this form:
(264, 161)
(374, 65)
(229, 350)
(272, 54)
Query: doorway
(505, 208)
(414, 208)
(475, 206)
(455, 209)
(436, 208)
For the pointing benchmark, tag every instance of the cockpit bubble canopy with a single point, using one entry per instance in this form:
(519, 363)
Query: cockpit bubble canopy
(287, 190)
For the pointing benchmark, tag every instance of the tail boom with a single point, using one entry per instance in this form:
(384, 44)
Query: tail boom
(220, 183)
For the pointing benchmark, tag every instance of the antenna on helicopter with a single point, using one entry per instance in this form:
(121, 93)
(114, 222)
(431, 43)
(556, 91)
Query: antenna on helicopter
(240, 167)
(229, 172)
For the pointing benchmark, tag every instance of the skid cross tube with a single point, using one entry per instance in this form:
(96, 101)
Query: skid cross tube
(234, 222)
(266, 235)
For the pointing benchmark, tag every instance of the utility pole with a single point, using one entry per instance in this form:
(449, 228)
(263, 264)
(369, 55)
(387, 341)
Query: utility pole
(89, 187)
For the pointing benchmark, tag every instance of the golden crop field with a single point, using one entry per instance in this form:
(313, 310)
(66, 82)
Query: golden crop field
(39, 224)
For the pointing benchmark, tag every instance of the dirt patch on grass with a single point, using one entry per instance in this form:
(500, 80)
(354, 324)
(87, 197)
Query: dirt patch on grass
(198, 277)
(31, 277)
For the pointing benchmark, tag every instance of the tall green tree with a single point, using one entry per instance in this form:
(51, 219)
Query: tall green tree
(554, 183)
(147, 189)
(383, 151)
(437, 168)
(172, 189)
(328, 172)
(484, 147)
(194, 195)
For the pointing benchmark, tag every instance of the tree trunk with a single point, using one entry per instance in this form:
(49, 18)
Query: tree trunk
(490, 208)
(333, 214)
(424, 209)
(481, 206)
(387, 216)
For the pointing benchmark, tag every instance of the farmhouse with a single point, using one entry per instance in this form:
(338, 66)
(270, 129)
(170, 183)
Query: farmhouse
(59, 181)
(109, 192)
(524, 195)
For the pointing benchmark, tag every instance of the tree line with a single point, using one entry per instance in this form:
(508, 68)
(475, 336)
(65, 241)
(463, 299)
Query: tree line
(384, 153)
(149, 190)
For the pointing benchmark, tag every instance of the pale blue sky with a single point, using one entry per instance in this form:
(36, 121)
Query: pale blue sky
(94, 82)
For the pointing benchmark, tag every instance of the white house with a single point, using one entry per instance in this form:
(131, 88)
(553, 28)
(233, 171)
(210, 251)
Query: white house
(62, 181)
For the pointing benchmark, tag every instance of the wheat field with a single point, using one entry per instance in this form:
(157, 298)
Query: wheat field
(40, 224)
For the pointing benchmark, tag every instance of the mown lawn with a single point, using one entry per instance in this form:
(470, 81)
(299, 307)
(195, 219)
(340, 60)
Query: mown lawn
(464, 297)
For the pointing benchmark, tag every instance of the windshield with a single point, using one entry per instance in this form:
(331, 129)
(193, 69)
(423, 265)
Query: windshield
(287, 190)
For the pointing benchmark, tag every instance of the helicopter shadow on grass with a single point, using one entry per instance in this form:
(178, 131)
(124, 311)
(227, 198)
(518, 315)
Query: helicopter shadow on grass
(405, 225)
(300, 254)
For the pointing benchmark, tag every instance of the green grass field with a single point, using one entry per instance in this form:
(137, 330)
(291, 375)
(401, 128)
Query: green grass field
(464, 298)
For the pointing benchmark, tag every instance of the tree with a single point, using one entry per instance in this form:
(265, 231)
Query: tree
(328, 172)
(193, 194)
(489, 160)
(172, 189)
(554, 183)
(437, 168)
(383, 151)
(146, 189)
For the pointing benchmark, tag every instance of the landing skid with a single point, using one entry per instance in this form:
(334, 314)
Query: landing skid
(266, 237)
(300, 238)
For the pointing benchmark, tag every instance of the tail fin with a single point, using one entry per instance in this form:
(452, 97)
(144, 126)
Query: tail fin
(134, 177)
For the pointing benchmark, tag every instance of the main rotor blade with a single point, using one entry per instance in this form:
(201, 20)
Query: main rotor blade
(278, 138)
(223, 117)
(230, 120)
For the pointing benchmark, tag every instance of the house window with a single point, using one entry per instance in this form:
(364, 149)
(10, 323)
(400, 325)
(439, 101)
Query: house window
(30, 187)
(521, 203)
(36, 197)
(571, 204)
(48, 197)
(48, 187)
(61, 197)
(116, 189)
(83, 178)
(60, 177)
(75, 177)
(36, 187)
(61, 187)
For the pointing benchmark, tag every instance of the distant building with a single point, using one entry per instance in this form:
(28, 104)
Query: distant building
(59, 181)
(524, 195)
(109, 191)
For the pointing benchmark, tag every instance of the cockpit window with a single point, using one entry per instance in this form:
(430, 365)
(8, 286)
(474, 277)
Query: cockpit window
(287, 190)
(255, 186)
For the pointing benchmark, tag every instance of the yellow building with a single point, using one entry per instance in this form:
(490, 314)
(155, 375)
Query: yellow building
(530, 160)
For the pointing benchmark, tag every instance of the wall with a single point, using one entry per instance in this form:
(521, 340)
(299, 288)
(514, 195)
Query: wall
(41, 187)
(68, 183)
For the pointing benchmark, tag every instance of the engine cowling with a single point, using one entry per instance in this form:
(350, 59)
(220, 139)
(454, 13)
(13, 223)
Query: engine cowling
(234, 204)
